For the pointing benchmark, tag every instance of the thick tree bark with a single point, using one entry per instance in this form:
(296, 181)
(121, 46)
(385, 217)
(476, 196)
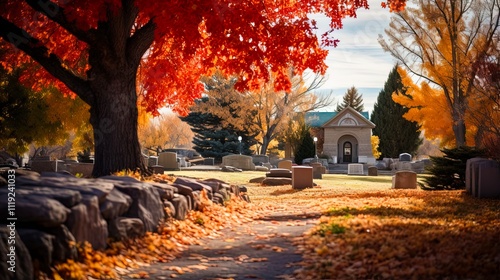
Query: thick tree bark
(112, 78)
(114, 120)
(109, 88)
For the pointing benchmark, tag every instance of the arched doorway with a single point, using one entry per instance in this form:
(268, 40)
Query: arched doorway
(347, 149)
(347, 152)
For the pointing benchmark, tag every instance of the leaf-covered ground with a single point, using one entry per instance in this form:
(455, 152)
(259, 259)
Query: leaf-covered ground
(367, 231)
(397, 234)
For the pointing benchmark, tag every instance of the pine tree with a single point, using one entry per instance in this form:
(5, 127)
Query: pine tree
(397, 135)
(306, 149)
(212, 139)
(353, 99)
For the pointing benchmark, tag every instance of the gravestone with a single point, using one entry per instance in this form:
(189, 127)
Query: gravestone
(260, 159)
(41, 165)
(157, 169)
(482, 177)
(302, 177)
(183, 162)
(168, 160)
(388, 162)
(285, 164)
(324, 162)
(404, 157)
(261, 168)
(489, 180)
(418, 166)
(82, 169)
(355, 169)
(268, 165)
(404, 165)
(404, 180)
(372, 171)
(317, 170)
(279, 172)
(381, 165)
(239, 161)
(208, 161)
(152, 161)
(276, 181)
(362, 159)
(468, 173)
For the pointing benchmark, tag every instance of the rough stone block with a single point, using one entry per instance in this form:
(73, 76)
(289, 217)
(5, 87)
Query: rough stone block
(404, 180)
(123, 228)
(23, 262)
(181, 207)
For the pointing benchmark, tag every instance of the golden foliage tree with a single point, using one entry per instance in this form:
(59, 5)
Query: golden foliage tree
(443, 43)
(265, 112)
(164, 131)
(375, 141)
(427, 107)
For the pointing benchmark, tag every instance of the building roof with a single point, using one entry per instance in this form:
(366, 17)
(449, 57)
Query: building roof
(318, 119)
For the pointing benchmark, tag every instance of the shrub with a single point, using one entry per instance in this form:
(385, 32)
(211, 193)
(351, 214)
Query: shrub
(448, 172)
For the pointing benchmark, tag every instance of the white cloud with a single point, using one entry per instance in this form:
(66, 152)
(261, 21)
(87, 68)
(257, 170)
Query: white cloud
(358, 60)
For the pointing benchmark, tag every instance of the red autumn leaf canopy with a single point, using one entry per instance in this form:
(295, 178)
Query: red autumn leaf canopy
(191, 38)
(109, 52)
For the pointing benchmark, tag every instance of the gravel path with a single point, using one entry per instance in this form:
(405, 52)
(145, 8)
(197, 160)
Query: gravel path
(261, 249)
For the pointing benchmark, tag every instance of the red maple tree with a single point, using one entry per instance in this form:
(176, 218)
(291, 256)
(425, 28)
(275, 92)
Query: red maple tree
(110, 51)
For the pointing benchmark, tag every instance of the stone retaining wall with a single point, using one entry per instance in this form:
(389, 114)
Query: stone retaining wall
(54, 210)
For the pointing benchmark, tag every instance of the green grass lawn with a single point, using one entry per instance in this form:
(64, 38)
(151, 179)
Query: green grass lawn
(342, 181)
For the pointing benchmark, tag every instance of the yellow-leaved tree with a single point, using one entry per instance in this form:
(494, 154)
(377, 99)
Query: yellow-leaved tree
(163, 131)
(443, 43)
(375, 141)
(428, 107)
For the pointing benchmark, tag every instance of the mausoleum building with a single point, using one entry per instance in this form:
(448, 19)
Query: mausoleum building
(347, 135)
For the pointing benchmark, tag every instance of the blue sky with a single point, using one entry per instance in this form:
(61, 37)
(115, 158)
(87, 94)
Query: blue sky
(358, 60)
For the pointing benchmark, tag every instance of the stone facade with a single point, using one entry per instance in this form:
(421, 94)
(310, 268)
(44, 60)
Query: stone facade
(347, 135)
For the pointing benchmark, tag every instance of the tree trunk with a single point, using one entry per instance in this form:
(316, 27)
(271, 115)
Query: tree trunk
(459, 127)
(265, 145)
(114, 120)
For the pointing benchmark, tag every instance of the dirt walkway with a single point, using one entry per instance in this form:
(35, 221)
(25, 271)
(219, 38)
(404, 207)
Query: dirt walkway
(261, 249)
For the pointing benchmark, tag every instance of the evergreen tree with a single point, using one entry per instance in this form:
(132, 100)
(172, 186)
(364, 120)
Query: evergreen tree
(353, 99)
(306, 148)
(448, 172)
(397, 135)
(212, 139)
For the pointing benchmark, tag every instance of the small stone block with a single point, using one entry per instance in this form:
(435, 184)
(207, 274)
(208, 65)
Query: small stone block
(317, 170)
(302, 177)
(157, 169)
(404, 180)
(355, 169)
(372, 171)
(285, 164)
